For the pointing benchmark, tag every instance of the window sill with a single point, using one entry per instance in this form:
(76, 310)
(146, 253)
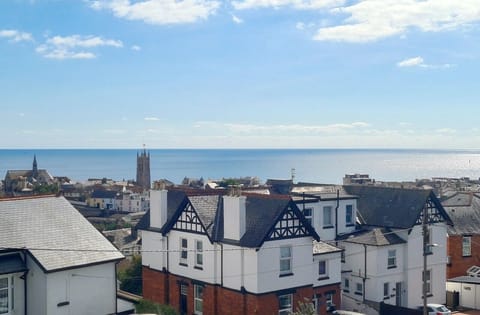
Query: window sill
(323, 278)
(358, 293)
(350, 225)
(346, 291)
(198, 267)
(391, 267)
(428, 295)
(183, 264)
(328, 227)
(466, 256)
(286, 274)
(386, 298)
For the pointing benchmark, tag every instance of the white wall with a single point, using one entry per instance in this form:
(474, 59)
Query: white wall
(36, 289)
(334, 269)
(153, 246)
(317, 217)
(89, 290)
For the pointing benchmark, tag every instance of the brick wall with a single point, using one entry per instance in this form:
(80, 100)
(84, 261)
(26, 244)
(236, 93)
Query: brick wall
(165, 289)
(459, 264)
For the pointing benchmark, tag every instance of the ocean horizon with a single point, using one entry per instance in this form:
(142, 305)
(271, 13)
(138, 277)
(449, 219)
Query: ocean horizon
(308, 165)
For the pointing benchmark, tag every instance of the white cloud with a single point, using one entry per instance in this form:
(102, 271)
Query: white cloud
(136, 48)
(74, 46)
(159, 12)
(151, 118)
(296, 4)
(419, 62)
(16, 36)
(236, 19)
(411, 62)
(300, 26)
(372, 20)
(446, 131)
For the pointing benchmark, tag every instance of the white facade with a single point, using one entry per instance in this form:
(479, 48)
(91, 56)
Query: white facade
(132, 202)
(399, 283)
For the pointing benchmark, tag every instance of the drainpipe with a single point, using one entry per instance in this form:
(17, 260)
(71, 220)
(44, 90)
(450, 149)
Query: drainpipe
(221, 265)
(364, 272)
(336, 214)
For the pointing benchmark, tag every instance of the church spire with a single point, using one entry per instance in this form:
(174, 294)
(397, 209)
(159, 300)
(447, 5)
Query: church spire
(35, 167)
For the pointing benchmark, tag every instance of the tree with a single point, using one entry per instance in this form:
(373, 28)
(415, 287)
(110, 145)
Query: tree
(305, 308)
(131, 277)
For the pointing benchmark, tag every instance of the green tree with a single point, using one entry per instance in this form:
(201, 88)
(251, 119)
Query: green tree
(146, 306)
(131, 277)
(305, 308)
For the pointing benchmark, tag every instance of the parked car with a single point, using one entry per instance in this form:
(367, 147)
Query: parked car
(436, 309)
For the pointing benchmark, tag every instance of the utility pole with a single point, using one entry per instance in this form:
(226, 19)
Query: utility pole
(425, 253)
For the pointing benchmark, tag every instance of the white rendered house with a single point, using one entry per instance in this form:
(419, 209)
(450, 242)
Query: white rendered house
(383, 261)
(253, 254)
(53, 261)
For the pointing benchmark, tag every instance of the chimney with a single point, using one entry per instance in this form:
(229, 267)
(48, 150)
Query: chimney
(158, 208)
(234, 217)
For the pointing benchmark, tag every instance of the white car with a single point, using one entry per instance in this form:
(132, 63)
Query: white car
(436, 309)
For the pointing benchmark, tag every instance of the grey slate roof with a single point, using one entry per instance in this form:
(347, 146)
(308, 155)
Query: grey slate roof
(392, 207)
(104, 194)
(465, 279)
(463, 209)
(374, 237)
(44, 224)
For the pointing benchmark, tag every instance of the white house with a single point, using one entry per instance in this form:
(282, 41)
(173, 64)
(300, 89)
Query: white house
(53, 261)
(132, 202)
(384, 259)
(216, 254)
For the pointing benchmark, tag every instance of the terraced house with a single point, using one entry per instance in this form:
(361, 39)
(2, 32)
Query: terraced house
(235, 254)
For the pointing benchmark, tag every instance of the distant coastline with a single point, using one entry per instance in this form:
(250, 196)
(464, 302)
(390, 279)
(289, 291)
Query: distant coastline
(311, 165)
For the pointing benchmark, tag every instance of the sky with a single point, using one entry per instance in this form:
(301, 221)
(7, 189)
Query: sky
(240, 74)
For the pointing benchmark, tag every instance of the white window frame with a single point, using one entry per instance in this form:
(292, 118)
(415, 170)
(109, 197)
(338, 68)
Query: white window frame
(5, 291)
(329, 222)
(286, 308)
(466, 246)
(325, 268)
(183, 251)
(309, 217)
(346, 285)
(329, 299)
(349, 208)
(198, 253)
(198, 299)
(359, 288)
(286, 260)
(386, 289)
(392, 258)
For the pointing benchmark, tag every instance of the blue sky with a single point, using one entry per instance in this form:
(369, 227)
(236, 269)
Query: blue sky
(240, 74)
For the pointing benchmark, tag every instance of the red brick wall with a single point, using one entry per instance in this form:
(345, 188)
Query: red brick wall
(460, 264)
(222, 301)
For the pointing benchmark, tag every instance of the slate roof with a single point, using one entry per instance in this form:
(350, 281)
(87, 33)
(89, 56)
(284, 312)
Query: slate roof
(374, 237)
(465, 279)
(262, 213)
(320, 248)
(104, 194)
(392, 207)
(463, 208)
(43, 224)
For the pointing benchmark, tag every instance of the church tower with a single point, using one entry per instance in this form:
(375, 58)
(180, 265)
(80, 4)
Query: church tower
(35, 167)
(143, 169)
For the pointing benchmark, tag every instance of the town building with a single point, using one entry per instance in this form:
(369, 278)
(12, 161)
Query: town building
(143, 170)
(463, 247)
(23, 182)
(53, 261)
(102, 199)
(383, 260)
(235, 254)
(128, 201)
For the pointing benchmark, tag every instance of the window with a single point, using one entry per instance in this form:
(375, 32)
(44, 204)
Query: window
(392, 258)
(322, 268)
(183, 251)
(342, 254)
(198, 254)
(346, 285)
(349, 215)
(327, 216)
(359, 289)
(198, 298)
(329, 299)
(467, 246)
(4, 308)
(285, 304)
(307, 213)
(427, 279)
(285, 260)
(386, 289)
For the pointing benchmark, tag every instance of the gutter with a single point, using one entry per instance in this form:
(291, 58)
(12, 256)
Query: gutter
(336, 213)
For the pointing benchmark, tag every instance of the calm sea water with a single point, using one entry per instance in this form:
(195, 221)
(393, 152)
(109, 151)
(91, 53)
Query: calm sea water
(315, 165)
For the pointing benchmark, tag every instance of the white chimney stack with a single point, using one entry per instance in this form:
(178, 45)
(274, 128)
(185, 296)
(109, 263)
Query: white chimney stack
(158, 208)
(234, 217)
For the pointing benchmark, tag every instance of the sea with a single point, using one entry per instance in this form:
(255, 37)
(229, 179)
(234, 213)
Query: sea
(305, 165)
